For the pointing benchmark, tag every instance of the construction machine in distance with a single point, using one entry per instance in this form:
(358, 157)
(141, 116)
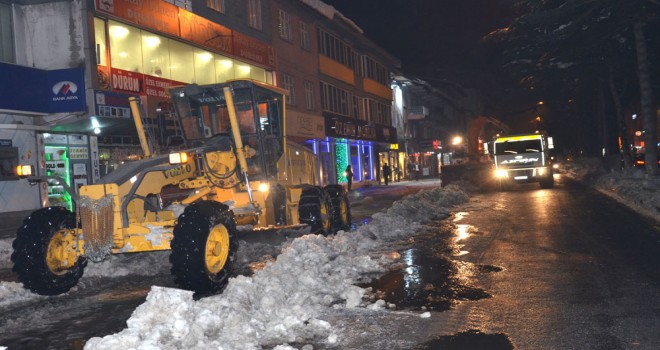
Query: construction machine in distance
(233, 166)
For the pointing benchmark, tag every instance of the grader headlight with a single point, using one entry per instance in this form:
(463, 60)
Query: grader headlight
(24, 170)
(264, 187)
(178, 158)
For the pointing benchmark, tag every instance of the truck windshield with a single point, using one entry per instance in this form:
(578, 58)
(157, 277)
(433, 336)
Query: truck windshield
(516, 147)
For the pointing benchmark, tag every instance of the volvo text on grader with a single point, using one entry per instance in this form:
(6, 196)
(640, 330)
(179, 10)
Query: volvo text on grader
(234, 167)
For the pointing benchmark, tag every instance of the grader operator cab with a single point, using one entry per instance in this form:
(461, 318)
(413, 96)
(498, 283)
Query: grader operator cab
(233, 167)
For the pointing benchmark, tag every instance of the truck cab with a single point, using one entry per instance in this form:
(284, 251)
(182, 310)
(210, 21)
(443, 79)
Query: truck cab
(523, 158)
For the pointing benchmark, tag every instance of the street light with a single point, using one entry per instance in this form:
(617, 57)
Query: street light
(457, 140)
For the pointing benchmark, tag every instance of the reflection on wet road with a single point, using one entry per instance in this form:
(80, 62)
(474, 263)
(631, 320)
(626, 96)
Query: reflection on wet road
(526, 268)
(580, 271)
(428, 277)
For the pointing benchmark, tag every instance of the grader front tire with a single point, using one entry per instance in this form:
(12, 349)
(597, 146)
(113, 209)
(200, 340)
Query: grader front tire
(204, 247)
(45, 256)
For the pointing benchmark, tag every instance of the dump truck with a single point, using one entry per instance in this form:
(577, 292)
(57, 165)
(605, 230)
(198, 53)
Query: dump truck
(522, 158)
(231, 167)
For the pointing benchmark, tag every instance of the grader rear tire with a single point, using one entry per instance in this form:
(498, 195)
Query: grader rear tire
(315, 209)
(204, 247)
(341, 208)
(45, 257)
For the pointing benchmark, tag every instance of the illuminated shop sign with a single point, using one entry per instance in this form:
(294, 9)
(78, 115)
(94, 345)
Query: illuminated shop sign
(170, 19)
(138, 83)
(42, 91)
(337, 126)
(155, 14)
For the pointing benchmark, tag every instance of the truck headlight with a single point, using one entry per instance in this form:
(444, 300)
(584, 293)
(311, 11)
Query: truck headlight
(501, 174)
(541, 171)
(178, 158)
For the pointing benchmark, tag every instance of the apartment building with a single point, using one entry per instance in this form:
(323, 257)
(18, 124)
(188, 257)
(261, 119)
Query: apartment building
(69, 67)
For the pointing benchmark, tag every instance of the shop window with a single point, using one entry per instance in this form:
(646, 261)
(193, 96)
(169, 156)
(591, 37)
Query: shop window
(204, 67)
(242, 71)
(6, 34)
(224, 68)
(181, 60)
(126, 47)
(367, 162)
(101, 43)
(258, 74)
(8, 162)
(156, 52)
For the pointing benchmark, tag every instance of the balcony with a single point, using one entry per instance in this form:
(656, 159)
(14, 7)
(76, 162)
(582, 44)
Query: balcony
(417, 113)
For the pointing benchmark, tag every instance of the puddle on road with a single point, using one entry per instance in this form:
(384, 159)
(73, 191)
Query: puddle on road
(427, 277)
(472, 339)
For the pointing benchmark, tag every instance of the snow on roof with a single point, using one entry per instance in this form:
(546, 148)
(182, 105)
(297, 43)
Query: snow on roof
(329, 11)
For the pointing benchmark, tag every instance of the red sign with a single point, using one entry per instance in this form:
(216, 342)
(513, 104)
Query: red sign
(126, 81)
(170, 19)
(154, 14)
(157, 87)
(204, 32)
(253, 50)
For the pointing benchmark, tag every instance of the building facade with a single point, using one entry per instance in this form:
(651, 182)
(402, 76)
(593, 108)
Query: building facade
(69, 68)
(355, 99)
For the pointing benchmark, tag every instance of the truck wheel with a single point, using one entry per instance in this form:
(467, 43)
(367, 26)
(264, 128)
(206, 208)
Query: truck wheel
(341, 208)
(45, 255)
(204, 247)
(314, 209)
(548, 182)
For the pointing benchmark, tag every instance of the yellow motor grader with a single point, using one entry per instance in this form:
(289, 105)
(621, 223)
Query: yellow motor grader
(233, 167)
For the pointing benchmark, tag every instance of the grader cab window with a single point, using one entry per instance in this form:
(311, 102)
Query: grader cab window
(204, 114)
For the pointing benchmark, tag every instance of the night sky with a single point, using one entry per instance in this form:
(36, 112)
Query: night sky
(439, 41)
(431, 37)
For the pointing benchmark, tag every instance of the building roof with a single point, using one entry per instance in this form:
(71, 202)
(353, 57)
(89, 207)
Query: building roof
(330, 12)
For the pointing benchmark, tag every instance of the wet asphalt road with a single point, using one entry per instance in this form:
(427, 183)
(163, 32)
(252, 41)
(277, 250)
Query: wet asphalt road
(565, 268)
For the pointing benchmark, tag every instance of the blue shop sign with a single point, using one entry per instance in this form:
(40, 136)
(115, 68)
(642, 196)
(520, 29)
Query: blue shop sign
(41, 91)
(67, 90)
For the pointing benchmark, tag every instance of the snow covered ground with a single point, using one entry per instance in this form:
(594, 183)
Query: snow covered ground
(280, 305)
(632, 186)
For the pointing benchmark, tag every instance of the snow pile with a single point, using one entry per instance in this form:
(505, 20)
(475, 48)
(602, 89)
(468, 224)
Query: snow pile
(280, 304)
(12, 293)
(632, 186)
(5, 253)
